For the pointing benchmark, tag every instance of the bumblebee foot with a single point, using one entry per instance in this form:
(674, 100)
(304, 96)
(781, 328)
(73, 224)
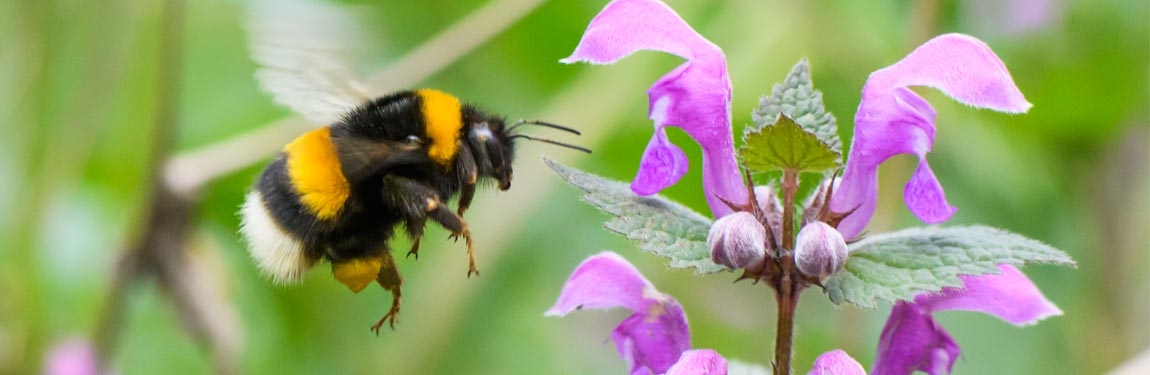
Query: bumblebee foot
(389, 318)
(414, 249)
(471, 268)
(390, 279)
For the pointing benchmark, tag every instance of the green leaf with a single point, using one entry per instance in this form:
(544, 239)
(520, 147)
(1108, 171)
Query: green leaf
(900, 265)
(784, 146)
(653, 223)
(797, 98)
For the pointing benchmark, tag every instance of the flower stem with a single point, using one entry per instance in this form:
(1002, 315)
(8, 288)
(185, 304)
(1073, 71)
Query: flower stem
(786, 297)
(787, 282)
(790, 189)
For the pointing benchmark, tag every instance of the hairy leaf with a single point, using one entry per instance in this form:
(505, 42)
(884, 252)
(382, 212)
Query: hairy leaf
(653, 223)
(900, 265)
(785, 145)
(797, 98)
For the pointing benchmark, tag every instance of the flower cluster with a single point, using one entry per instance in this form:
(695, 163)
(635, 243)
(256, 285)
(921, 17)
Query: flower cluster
(891, 120)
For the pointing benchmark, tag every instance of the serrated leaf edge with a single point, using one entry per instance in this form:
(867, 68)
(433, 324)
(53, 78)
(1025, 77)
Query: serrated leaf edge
(948, 281)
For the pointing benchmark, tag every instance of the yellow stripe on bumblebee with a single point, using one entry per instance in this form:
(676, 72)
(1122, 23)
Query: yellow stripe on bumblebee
(442, 114)
(314, 168)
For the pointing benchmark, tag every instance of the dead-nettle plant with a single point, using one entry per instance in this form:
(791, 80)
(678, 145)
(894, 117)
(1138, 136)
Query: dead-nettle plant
(789, 243)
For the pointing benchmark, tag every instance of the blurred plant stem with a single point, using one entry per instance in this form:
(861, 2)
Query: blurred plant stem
(31, 205)
(161, 249)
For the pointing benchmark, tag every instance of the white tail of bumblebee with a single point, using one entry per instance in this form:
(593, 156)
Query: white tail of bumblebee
(278, 254)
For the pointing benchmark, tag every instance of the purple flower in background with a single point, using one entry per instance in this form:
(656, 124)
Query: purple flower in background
(71, 357)
(695, 97)
(912, 341)
(653, 340)
(1013, 18)
(894, 120)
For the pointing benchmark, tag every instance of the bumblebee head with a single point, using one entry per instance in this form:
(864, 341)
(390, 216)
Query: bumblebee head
(491, 141)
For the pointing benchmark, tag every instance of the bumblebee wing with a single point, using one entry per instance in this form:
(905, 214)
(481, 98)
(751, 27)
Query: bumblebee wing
(361, 158)
(303, 50)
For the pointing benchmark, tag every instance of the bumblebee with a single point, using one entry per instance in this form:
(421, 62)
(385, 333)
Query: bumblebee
(338, 193)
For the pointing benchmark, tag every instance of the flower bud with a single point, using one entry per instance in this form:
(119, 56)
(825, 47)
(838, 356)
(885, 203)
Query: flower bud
(737, 240)
(820, 250)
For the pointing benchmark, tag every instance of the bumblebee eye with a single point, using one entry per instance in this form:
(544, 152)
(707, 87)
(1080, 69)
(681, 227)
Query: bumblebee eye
(414, 140)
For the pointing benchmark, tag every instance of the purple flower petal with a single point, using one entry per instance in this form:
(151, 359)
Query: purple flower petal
(699, 362)
(603, 281)
(836, 362)
(924, 196)
(651, 341)
(663, 164)
(912, 340)
(893, 120)
(626, 26)
(695, 97)
(1010, 296)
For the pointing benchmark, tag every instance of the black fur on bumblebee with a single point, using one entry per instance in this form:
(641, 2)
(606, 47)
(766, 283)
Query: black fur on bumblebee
(338, 193)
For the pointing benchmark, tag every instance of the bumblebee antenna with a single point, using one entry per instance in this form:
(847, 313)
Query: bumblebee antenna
(557, 143)
(544, 124)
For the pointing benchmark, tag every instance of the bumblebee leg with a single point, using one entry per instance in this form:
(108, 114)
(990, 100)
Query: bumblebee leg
(415, 233)
(420, 202)
(458, 228)
(465, 195)
(469, 173)
(390, 279)
(414, 248)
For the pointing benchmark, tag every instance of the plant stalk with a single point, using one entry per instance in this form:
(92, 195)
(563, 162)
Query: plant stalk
(790, 189)
(786, 297)
(787, 282)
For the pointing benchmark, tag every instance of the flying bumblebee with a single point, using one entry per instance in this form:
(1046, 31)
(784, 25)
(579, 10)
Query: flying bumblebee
(339, 192)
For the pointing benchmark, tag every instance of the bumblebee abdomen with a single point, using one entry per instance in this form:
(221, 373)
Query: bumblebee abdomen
(314, 170)
(278, 253)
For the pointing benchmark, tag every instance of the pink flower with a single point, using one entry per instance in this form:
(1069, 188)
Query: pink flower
(912, 341)
(836, 362)
(894, 120)
(655, 338)
(695, 97)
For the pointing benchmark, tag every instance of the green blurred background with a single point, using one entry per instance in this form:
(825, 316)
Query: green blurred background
(79, 103)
